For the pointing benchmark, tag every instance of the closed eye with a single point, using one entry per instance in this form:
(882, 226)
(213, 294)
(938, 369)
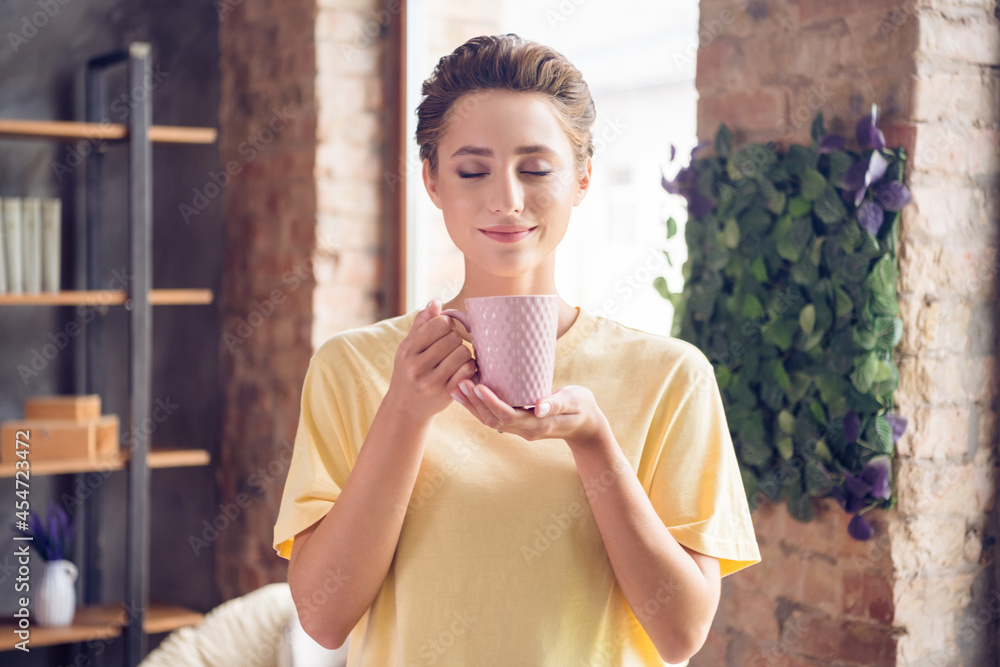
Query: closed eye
(464, 175)
(533, 173)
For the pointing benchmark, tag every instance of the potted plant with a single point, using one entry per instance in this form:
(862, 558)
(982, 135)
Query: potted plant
(55, 597)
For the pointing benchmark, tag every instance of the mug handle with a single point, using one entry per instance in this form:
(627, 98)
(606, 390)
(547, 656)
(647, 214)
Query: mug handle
(460, 316)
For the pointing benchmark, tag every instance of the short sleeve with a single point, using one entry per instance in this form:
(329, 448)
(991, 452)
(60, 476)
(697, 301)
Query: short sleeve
(320, 460)
(696, 486)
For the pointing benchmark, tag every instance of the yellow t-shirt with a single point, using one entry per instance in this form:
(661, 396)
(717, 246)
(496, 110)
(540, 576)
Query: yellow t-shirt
(499, 560)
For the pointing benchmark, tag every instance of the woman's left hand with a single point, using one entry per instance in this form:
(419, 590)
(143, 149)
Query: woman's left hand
(572, 415)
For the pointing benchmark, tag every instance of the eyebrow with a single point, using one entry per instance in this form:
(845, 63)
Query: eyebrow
(520, 150)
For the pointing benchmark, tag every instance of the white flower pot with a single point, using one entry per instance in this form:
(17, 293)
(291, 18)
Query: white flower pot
(55, 599)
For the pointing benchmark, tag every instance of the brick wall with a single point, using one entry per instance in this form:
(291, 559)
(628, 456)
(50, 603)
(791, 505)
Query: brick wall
(267, 122)
(352, 48)
(303, 123)
(923, 591)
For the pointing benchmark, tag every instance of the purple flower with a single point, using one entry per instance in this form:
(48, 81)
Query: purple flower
(831, 143)
(898, 424)
(859, 528)
(893, 195)
(862, 174)
(673, 152)
(871, 216)
(876, 475)
(852, 426)
(867, 132)
(700, 206)
(701, 144)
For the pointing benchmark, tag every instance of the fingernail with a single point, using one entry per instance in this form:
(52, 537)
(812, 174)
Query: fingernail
(429, 303)
(465, 389)
(457, 397)
(478, 393)
(543, 409)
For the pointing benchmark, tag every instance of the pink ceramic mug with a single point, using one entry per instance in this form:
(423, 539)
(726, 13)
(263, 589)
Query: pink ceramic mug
(514, 343)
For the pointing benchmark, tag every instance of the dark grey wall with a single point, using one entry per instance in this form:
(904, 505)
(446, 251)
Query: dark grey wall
(43, 79)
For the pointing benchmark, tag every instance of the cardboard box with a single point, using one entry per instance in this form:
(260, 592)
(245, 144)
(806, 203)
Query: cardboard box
(77, 408)
(58, 439)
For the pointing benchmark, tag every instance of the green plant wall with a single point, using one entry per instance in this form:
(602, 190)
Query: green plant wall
(790, 290)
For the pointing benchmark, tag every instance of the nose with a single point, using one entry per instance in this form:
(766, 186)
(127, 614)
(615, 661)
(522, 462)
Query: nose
(508, 194)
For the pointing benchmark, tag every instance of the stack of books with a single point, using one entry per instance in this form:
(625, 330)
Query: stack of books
(30, 244)
(61, 427)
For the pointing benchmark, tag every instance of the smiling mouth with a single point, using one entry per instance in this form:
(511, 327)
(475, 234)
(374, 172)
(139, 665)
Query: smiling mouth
(508, 237)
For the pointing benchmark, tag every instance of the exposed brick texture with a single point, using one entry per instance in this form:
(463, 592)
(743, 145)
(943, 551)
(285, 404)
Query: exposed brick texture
(923, 591)
(267, 121)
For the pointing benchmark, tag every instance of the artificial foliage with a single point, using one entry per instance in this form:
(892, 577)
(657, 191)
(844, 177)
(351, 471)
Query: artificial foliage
(790, 290)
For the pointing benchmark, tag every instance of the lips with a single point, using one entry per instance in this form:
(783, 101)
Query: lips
(496, 234)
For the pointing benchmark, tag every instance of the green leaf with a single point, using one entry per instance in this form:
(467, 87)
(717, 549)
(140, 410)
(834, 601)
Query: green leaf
(798, 207)
(888, 330)
(723, 376)
(844, 303)
(661, 286)
(671, 227)
(723, 141)
(863, 338)
(780, 333)
(780, 376)
(838, 163)
(817, 251)
(754, 451)
(800, 507)
(884, 371)
(830, 386)
(807, 319)
(786, 422)
(800, 385)
(823, 451)
(752, 309)
(813, 184)
(731, 233)
(863, 375)
(786, 447)
(758, 270)
(816, 131)
(829, 207)
(817, 412)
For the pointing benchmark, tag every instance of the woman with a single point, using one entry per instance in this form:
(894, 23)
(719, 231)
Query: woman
(591, 529)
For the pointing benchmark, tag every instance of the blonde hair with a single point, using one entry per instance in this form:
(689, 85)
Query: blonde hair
(506, 62)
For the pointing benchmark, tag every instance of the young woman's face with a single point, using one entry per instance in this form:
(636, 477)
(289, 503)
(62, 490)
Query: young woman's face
(506, 165)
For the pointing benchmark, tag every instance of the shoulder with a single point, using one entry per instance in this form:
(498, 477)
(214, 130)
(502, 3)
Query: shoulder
(643, 348)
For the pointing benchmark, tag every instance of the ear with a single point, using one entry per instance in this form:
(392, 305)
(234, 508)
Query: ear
(430, 183)
(583, 184)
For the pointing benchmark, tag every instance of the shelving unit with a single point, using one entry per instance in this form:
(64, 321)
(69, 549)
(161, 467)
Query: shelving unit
(103, 621)
(109, 621)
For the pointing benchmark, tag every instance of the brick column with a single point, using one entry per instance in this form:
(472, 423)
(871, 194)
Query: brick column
(302, 136)
(923, 590)
(267, 122)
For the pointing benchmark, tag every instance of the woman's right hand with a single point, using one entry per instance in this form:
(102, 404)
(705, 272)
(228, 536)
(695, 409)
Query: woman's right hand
(430, 363)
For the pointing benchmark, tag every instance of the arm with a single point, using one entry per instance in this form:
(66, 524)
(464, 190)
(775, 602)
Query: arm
(338, 564)
(673, 591)
(347, 553)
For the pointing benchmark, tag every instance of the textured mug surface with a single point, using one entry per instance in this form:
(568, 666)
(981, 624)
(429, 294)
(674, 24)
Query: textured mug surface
(514, 342)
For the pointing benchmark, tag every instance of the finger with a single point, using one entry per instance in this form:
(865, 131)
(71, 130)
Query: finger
(430, 310)
(562, 402)
(500, 409)
(475, 403)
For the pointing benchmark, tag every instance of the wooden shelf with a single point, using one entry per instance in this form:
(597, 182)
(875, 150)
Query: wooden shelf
(102, 621)
(157, 297)
(72, 130)
(158, 457)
